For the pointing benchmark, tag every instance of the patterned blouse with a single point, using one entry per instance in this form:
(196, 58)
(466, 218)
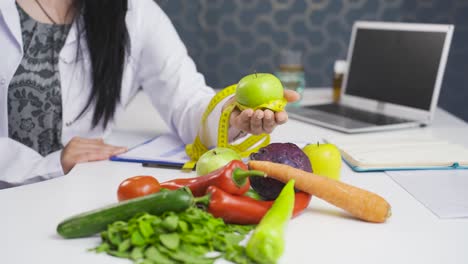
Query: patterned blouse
(34, 93)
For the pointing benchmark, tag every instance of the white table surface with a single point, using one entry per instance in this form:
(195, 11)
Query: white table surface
(322, 234)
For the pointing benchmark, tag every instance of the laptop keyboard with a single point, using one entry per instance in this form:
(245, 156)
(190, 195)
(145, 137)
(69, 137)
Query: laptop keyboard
(357, 114)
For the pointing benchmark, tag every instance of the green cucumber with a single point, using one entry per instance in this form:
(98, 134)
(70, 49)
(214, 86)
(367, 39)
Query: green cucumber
(95, 221)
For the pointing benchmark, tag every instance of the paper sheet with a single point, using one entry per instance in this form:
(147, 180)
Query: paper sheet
(444, 192)
(164, 148)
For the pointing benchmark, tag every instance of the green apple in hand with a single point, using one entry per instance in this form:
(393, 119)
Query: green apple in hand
(259, 88)
(325, 159)
(215, 159)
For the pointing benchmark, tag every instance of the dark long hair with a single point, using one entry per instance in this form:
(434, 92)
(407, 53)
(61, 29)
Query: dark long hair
(108, 41)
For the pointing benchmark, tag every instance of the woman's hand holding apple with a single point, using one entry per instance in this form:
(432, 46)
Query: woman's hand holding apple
(257, 121)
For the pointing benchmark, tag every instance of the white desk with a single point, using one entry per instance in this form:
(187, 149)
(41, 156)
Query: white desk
(322, 234)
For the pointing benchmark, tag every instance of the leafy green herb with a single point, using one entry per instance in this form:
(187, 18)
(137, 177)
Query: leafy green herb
(171, 241)
(183, 226)
(104, 247)
(137, 239)
(145, 228)
(137, 253)
(170, 222)
(193, 236)
(153, 254)
(124, 246)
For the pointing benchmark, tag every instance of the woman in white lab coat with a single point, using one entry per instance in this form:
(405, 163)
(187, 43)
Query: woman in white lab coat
(70, 66)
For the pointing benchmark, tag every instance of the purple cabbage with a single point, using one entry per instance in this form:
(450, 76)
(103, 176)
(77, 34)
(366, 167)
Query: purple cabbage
(285, 153)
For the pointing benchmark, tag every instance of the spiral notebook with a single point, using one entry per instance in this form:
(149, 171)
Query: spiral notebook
(410, 151)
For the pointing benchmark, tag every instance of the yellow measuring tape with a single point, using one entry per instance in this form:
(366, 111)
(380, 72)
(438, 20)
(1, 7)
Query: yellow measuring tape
(251, 144)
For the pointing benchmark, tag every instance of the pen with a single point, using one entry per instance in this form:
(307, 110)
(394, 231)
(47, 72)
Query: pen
(162, 165)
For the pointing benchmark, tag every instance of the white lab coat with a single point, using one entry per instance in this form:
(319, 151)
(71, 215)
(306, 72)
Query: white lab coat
(158, 63)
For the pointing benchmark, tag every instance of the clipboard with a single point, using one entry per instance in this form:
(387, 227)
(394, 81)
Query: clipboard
(165, 150)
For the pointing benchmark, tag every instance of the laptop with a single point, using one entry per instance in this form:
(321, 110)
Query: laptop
(395, 71)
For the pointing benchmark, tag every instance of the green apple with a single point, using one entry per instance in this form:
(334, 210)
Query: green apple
(215, 159)
(257, 89)
(325, 159)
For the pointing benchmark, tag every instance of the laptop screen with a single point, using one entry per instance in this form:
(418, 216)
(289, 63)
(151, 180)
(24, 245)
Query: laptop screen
(393, 66)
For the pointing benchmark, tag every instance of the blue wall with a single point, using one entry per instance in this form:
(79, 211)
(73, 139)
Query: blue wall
(232, 38)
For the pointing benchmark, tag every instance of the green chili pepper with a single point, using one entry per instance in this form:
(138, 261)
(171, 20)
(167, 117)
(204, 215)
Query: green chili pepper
(267, 242)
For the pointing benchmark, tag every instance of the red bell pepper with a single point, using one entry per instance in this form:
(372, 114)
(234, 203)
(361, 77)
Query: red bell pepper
(232, 178)
(245, 210)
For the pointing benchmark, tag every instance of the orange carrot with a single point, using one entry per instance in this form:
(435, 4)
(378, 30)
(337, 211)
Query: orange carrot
(360, 203)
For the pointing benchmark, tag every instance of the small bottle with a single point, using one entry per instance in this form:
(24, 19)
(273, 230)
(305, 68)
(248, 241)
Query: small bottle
(339, 71)
(291, 73)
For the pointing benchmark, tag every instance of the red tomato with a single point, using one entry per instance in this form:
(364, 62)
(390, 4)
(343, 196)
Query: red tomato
(137, 186)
